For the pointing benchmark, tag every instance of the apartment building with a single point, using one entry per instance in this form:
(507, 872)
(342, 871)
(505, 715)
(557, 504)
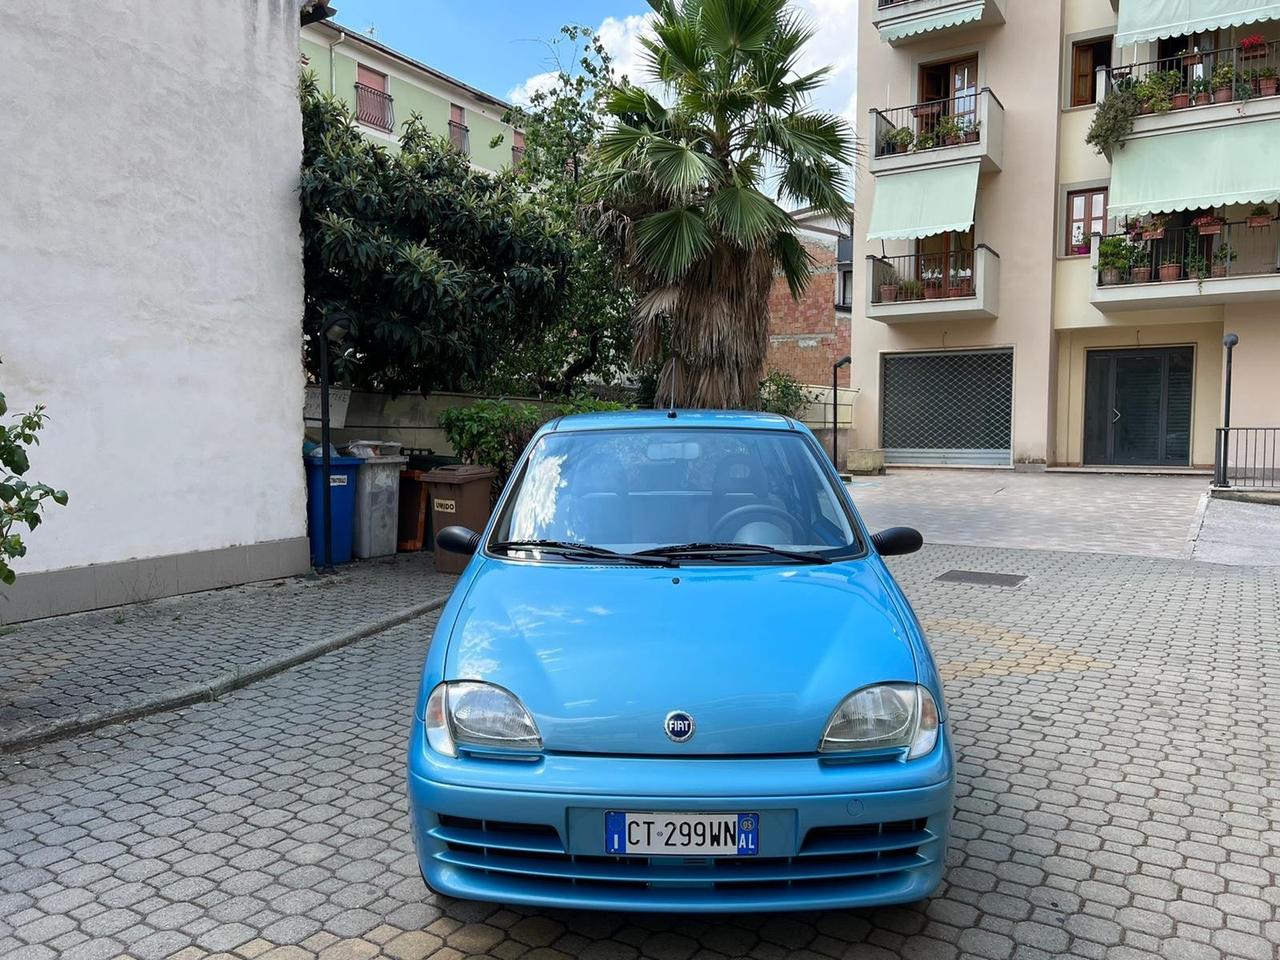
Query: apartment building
(1023, 300)
(383, 88)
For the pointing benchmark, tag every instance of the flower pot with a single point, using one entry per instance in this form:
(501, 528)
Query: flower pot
(926, 109)
(1191, 59)
(1146, 108)
(1256, 53)
(1153, 234)
(899, 148)
(1218, 271)
(888, 292)
(951, 141)
(1181, 100)
(932, 292)
(1263, 220)
(1109, 277)
(1268, 86)
(1204, 99)
(1209, 229)
(1222, 95)
(1141, 275)
(962, 289)
(1170, 272)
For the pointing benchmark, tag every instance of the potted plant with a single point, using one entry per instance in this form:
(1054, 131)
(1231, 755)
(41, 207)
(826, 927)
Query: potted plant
(1156, 90)
(1223, 80)
(910, 290)
(949, 131)
(961, 286)
(897, 140)
(1153, 229)
(1114, 260)
(1197, 266)
(972, 130)
(926, 140)
(932, 285)
(1208, 224)
(1223, 257)
(1170, 269)
(889, 287)
(1268, 83)
(1253, 47)
(1140, 263)
(1259, 216)
(1201, 91)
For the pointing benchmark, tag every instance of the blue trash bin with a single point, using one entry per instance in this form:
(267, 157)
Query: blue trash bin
(342, 503)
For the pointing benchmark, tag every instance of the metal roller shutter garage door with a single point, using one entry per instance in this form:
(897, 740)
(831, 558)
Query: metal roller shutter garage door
(951, 407)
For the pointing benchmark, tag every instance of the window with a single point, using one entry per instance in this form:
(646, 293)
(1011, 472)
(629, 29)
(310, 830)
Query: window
(1086, 215)
(844, 295)
(947, 90)
(373, 104)
(517, 148)
(459, 135)
(1087, 57)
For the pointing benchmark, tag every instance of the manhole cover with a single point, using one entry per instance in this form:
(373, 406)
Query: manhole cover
(980, 579)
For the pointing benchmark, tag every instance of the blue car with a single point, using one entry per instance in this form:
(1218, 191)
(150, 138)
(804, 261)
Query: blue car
(676, 675)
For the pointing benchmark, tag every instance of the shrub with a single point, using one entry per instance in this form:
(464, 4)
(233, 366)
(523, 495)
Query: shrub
(782, 393)
(20, 500)
(1113, 119)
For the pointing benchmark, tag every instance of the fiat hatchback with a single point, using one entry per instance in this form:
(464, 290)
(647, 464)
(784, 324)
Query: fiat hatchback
(677, 675)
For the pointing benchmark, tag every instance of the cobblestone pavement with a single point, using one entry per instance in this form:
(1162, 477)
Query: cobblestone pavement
(85, 668)
(1105, 513)
(1116, 726)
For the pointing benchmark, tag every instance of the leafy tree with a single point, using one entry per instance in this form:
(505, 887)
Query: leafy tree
(20, 500)
(782, 393)
(443, 269)
(683, 183)
(590, 336)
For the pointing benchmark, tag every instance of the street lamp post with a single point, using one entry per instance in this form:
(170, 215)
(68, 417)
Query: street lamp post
(1229, 341)
(336, 326)
(835, 408)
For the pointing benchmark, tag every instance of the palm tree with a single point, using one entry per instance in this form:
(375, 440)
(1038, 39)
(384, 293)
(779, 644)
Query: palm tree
(684, 184)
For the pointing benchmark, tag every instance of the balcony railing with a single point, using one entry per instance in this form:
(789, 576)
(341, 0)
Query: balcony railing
(922, 276)
(928, 126)
(374, 107)
(1201, 77)
(460, 137)
(1247, 458)
(1242, 249)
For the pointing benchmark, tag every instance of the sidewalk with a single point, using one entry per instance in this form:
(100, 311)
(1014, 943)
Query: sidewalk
(67, 675)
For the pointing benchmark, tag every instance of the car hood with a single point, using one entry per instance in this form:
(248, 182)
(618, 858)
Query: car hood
(759, 656)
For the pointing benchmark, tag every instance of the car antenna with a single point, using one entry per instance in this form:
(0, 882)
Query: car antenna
(675, 378)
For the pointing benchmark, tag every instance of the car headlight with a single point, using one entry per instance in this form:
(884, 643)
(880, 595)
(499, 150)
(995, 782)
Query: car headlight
(882, 717)
(471, 713)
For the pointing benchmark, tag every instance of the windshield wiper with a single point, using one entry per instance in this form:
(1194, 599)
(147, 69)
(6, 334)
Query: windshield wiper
(582, 551)
(730, 551)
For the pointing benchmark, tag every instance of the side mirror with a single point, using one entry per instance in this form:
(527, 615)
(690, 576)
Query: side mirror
(458, 540)
(895, 541)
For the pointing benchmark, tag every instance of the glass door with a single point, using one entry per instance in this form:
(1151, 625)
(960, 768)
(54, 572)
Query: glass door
(1138, 406)
(946, 264)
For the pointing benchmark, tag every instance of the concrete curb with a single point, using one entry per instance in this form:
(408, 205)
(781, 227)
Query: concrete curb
(1197, 522)
(192, 693)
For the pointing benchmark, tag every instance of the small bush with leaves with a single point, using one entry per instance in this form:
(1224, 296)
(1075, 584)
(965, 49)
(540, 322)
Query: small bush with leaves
(782, 393)
(20, 500)
(1113, 119)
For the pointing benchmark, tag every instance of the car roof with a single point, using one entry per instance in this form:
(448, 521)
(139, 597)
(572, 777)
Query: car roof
(704, 419)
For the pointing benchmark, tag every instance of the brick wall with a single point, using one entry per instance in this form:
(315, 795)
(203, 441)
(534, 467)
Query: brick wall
(807, 336)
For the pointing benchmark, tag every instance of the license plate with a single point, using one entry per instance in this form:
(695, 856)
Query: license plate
(682, 834)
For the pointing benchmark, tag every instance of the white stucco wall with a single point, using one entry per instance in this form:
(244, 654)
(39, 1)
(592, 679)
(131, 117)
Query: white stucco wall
(150, 274)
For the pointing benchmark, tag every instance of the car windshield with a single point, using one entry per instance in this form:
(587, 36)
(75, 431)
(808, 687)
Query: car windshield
(634, 490)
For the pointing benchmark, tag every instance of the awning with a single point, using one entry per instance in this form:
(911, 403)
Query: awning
(1195, 169)
(922, 203)
(965, 13)
(1143, 20)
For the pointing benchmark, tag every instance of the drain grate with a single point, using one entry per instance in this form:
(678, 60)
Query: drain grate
(977, 578)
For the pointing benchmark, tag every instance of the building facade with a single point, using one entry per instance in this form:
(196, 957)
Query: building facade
(992, 324)
(383, 88)
(151, 275)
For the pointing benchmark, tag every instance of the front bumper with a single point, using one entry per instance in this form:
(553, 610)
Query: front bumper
(831, 835)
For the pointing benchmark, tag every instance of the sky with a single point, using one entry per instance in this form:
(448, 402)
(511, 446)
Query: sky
(500, 46)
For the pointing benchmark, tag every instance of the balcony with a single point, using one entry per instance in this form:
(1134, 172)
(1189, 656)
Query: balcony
(460, 137)
(959, 285)
(1202, 88)
(969, 127)
(374, 108)
(906, 21)
(1184, 268)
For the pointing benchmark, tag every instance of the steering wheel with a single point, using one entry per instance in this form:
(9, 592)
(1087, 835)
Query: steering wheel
(736, 519)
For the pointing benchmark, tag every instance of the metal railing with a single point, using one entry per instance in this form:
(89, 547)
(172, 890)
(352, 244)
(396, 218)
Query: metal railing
(374, 107)
(1247, 458)
(460, 137)
(1200, 77)
(922, 276)
(1239, 249)
(929, 125)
